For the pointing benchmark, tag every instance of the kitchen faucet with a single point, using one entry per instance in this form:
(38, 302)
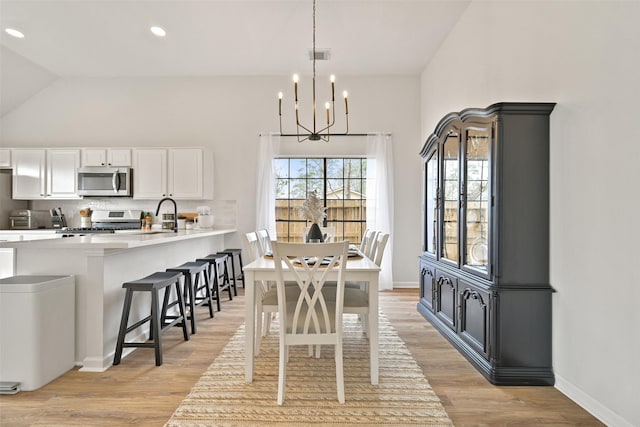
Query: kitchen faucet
(175, 212)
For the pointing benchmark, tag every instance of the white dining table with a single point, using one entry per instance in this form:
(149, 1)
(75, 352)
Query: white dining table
(360, 269)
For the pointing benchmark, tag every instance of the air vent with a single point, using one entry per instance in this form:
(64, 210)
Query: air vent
(321, 54)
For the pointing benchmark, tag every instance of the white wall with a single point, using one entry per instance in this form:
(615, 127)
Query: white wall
(227, 114)
(585, 57)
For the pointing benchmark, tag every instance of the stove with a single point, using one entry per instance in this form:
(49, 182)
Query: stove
(107, 222)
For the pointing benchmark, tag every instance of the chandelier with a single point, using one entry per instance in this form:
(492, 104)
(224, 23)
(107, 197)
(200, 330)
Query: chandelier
(314, 133)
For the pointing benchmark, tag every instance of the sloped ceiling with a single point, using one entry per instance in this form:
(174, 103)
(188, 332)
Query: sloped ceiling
(20, 79)
(99, 38)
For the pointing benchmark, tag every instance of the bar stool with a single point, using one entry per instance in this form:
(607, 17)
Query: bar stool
(219, 274)
(152, 283)
(231, 253)
(192, 272)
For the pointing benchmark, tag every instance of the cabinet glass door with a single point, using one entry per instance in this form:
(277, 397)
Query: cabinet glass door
(477, 198)
(431, 202)
(450, 196)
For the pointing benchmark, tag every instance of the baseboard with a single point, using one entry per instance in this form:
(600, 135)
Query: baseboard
(405, 285)
(589, 404)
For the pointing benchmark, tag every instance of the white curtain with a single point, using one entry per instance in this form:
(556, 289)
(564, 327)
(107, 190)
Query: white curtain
(268, 148)
(380, 198)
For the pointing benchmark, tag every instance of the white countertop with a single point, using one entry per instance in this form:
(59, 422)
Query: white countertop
(117, 240)
(31, 231)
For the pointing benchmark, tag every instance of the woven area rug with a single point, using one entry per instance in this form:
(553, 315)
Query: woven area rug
(403, 396)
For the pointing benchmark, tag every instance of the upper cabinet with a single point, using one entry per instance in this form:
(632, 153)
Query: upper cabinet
(179, 173)
(106, 157)
(5, 158)
(45, 173)
(484, 268)
(458, 200)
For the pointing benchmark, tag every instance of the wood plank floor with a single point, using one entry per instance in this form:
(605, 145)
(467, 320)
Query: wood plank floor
(138, 393)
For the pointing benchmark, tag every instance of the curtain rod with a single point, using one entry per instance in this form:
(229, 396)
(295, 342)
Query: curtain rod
(333, 136)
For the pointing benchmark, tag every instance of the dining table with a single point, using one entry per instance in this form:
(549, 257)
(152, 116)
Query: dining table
(360, 269)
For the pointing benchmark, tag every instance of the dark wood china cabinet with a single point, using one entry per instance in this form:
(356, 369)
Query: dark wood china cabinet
(484, 268)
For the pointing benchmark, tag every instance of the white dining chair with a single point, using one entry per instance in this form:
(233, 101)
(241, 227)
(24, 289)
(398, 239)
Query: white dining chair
(365, 239)
(370, 247)
(265, 241)
(378, 251)
(266, 300)
(252, 246)
(356, 298)
(310, 317)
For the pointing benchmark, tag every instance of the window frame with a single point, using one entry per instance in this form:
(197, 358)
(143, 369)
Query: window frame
(340, 224)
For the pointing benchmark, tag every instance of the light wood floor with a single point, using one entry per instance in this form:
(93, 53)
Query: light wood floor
(138, 393)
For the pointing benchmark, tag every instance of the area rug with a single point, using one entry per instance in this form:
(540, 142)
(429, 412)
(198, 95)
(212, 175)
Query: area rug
(403, 396)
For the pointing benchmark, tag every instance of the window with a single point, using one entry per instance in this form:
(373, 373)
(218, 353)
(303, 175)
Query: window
(340, 183)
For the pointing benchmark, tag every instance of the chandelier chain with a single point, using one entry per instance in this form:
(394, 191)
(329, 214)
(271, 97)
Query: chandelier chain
(315, 134)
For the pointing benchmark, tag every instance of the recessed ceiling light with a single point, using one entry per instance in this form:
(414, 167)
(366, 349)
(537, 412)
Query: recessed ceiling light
(158, 31)
(14, 33)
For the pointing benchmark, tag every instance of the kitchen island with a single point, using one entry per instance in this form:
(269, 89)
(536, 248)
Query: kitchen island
(101, 264)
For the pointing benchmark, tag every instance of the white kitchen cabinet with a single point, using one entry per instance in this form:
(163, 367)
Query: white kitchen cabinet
(106, 157)
(42, 174)
(179, 173)
(5, 158)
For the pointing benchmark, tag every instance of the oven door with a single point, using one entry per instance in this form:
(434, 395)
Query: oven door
(104, 182)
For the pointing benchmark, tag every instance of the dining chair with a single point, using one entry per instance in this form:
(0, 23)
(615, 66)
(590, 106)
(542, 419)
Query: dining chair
(381, 243)
(370, 247)
(329, 234)
(265, 241)
(266, 295)
(365, 243)
(356, 298)
(252, 246)
(308, 317)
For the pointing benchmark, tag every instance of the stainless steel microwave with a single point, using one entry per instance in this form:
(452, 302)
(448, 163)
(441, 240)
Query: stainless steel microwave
(105, 181)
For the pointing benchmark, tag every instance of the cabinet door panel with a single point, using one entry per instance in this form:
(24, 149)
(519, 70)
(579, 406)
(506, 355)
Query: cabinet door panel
(62, 177)
(477, 198)
(29, 174)
(474, 318)
(150, 174)
(5, 158)
(431, 203)
(94, 157)
(427, 285)
(185, 173)
(119, 157)
(451, 197)
(446, 298)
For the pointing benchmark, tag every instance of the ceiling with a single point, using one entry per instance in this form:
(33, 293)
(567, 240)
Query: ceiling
(111, 38)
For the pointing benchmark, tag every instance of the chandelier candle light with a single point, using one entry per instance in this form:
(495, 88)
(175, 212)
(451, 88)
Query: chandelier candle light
(315, 134)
